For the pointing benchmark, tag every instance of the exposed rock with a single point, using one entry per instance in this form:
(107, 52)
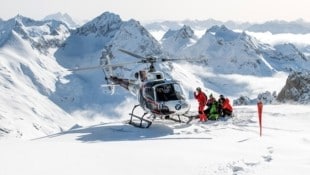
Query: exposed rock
(296, 89)
(242, 100)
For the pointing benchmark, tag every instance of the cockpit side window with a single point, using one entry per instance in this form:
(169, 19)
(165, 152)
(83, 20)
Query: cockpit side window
(149, 93)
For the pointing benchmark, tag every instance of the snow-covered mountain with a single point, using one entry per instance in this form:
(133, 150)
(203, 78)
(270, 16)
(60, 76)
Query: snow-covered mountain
(42, 35)
(28, 75)
(227, 51)
(194, 24)
(63, 17)
(176, 40)
(276, 27)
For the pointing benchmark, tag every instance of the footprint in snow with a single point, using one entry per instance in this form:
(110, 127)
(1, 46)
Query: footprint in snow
(268, 157)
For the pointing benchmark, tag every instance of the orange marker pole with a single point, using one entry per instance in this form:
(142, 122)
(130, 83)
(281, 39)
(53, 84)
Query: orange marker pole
(260, 111)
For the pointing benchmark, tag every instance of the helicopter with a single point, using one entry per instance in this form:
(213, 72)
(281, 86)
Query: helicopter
(157, 96)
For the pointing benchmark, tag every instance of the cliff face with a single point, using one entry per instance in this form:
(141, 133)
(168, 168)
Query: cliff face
(296, 89)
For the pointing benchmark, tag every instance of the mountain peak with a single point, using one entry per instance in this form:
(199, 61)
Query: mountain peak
(175, 40)
(216, 28)
(101, 24)
(22, 20)
(105, 18)
(65, 18)
(185, 32)
(223, 33)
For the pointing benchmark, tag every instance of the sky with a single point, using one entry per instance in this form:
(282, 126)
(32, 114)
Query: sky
(142, 10)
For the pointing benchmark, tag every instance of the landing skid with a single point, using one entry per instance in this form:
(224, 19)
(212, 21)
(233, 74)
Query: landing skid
(144, 122)
(179, 120)
(138, 121)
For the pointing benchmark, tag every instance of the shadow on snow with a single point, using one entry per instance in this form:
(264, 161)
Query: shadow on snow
(116, 132)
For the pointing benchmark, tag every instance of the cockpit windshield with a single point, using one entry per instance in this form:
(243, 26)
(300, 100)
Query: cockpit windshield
(168, 92)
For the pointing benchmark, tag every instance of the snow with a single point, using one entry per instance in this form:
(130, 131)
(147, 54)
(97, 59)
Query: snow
(216, 147)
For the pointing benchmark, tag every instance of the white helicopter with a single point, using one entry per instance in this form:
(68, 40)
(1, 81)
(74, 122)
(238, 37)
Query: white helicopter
(158, 97)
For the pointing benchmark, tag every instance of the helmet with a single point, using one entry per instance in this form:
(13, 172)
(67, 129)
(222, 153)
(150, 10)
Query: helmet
(221, 96)
(198, 89)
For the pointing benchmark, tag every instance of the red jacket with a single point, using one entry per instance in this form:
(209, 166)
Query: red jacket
(226, 105)
(202, 98)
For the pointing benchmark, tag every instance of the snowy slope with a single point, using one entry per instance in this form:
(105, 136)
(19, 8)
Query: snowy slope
(222, 147)
(27, 79)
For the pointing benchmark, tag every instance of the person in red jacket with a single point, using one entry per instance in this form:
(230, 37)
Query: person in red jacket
(202, 101)
(224, 106)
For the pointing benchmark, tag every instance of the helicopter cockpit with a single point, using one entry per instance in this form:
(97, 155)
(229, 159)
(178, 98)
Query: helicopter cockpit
(168, 91)
(163, 97)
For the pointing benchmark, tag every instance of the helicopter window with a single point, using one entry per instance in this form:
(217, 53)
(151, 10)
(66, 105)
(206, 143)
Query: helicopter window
(159, 77)
(166, 92)
(178, 91)
(148, 93)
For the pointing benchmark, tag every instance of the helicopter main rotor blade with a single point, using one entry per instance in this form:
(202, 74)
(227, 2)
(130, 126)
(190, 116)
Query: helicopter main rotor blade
(102, 66)
(179, 59)
(119, 64)
(84, 68)
(131, 54)
(172, 59)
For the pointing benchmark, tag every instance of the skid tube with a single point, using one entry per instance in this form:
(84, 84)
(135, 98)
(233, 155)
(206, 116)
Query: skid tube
(179, 120)
(142, 122)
